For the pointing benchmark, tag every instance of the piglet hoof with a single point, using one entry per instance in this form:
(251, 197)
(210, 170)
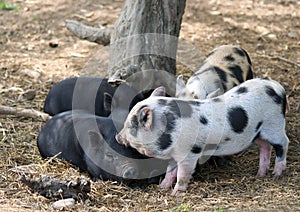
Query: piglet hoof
(165, 184)
(277, 176)
(179, 190)
(169, 179)
(260, 174)
(177, 193)
(279, 169)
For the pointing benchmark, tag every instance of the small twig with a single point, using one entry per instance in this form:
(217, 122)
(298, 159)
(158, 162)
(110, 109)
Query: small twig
(51, 159)
(287, 61)
(282, 59)
(13, 89)
(97, 35)
(26, 113)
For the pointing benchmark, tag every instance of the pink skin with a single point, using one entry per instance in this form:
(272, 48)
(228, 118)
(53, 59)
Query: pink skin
(121, 140)
(169, 179)
(141, 149)
(264, 157)
(184, 174)
(146, 152)
(264, 160)
(138, 147)
(183, 171)
(279, 168)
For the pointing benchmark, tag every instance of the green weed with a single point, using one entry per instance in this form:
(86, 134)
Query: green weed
(6, 6)
(181, 208)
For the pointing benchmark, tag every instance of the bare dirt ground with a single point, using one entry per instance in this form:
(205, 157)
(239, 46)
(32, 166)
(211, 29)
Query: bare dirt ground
(37, 51)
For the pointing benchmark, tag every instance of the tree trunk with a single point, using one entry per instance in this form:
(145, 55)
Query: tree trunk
(144, 43)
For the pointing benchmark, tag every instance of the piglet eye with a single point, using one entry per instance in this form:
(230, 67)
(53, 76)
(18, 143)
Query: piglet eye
(145, 118)
(109, 157)
(195, 96)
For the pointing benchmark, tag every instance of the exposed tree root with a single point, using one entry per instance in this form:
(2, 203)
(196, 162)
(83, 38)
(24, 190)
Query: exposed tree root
(59, 189)
(26, 113)
(82, 31)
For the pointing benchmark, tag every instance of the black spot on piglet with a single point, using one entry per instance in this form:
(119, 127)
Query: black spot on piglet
(229, 58)
(134, 121)
(162, 102)
(134, 125)
(271, 92)
(278, 99)
(237, 72)
(227, 139)
(278, 149)
(196, 149)
(250, 73)
(237, 118)
(241, 90)
(222, 76)
(180, 108)
(165, 140)
(203, 120)
(239, 51)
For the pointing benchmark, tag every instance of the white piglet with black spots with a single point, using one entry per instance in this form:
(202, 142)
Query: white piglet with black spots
(225, 67)
(188, 130)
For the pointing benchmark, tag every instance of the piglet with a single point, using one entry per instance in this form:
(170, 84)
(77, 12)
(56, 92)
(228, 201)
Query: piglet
(86, 93)
(225, 67)
(188, 130)
(88, 142)
(91, 94)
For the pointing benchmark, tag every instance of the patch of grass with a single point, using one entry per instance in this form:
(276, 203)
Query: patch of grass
(184, 208)
(6, 6)
(219, 210)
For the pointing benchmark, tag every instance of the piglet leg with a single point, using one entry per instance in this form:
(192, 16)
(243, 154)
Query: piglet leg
(279, 168)
(170, 176)
(264, 157)
(280, 161)
(184, 174)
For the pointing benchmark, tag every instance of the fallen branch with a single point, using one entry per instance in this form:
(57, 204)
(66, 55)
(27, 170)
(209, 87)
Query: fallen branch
(286, 60)
(100, 36)
(53, 188)
(20, 112)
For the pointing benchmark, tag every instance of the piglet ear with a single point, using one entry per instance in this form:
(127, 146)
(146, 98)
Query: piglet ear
(179, 84)
(214, 94)
(145, 118)
(160, 91)
(96, 139)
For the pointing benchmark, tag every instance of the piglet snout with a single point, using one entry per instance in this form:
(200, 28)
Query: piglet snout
(121, 140)
(130, 173)
(118, 138)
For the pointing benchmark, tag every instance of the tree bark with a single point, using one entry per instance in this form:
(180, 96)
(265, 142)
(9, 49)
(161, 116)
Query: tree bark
(145, 37)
